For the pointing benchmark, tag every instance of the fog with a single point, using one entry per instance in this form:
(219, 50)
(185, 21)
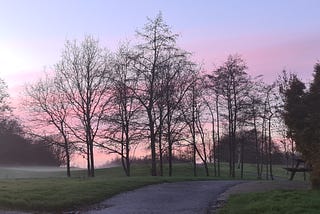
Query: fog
(14, 172)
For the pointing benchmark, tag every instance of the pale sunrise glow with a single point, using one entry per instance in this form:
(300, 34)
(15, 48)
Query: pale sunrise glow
(12, 61)
(270, 35)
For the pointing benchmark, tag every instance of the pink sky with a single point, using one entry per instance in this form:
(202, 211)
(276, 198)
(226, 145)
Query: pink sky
(265, 55)
(270, 35)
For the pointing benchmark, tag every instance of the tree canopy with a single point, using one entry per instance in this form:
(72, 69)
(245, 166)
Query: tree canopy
(302, 118)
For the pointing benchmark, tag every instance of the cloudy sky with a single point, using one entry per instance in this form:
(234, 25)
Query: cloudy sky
(270, 35)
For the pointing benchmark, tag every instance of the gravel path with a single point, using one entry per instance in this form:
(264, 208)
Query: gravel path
(182, 198)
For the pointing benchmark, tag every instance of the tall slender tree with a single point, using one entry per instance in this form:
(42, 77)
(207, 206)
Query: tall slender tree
(232, 82)
(123, 131)
(156, 60)
(49, 108)
(83, 75)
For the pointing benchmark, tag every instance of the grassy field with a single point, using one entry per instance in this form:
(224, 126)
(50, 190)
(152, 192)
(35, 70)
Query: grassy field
(47, 189)
(57, 193)
(7, 172)
(274, 202)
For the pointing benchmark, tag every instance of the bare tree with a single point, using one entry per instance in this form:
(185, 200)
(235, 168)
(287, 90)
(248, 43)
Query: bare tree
(272, 107)
(123, 128)
(210, 104)
(50, 109)
(232, 82)
(203, 153)
(155, 53)
(193, 113)
(189, 113)
(176, 83)
(83, 75)
(253, 111)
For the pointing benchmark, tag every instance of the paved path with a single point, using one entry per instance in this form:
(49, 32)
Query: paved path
(180, 198)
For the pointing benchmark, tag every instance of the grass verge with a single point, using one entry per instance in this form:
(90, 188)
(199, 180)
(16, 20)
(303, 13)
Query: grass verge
(273, 202)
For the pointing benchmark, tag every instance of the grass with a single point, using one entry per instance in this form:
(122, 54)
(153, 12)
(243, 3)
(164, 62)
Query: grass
(34, 189)
(56, 193)
(66, 194)
(273, 202)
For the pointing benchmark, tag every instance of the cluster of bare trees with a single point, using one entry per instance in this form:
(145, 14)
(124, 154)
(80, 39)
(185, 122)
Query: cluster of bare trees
(238, 106)
(152, 93)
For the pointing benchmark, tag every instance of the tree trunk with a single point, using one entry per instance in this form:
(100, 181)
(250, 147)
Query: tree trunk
(194, 132)
(206, 168)
(160, 141)
(292, 153)
(66, 148)
(152, 144)
(124, 164)
(262, 148)
(68, 161)
(88, 160)
(315, 174)
(266, 153)
(127, 152)
(257, 146)
(270, 150)
(239, 151)
(214, 149)
(242, 154)
(194, 156)
(218, 135)
(230, 138)
(92, 159)
(169, 137)
(234, 128)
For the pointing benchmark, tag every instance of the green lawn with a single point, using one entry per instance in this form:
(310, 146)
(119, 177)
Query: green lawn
(45, 189)
(67, 194)
(57, 193)
(274, 202)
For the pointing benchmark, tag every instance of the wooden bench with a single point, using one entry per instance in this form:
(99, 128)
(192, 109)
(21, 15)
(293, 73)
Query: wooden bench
(298, 169)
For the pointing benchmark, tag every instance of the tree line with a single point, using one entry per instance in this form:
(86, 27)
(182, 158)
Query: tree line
(153, 93)
(16, 147)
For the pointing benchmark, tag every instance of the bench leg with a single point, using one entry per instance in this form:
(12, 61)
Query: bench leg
(294, 171)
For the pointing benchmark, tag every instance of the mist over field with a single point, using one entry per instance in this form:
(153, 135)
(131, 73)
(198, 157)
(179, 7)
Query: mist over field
(15, 172)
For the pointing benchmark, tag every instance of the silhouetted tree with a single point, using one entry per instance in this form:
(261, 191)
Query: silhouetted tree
(156, 65)
(82, 76)
(175, 84)
(232, 83)
(253, 113)
(303, 120)
(50, 110)
(123, 128)
(283, 81)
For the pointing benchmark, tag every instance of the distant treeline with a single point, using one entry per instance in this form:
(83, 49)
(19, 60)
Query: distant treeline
(16, 149)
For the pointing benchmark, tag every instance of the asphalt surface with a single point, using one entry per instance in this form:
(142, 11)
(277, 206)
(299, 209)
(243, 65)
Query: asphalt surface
(179, 198)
